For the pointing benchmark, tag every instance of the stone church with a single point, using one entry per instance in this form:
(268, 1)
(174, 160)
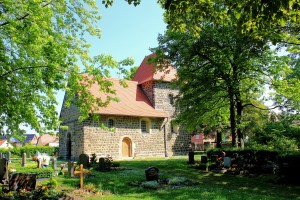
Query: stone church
(141, 120)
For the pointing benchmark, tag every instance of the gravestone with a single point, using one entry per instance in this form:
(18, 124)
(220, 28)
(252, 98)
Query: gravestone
(71, 168)
(3, 170)
(203, 159)
(24, 160)
(45, 160)
(227, 162)
(9, 157)
(152, 174)
(19, 181)
(191, 157)
(54, 164)
(102, 165)
(39, 163)
(84, 160)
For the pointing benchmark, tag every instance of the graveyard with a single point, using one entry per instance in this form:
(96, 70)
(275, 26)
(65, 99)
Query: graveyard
(47, 177)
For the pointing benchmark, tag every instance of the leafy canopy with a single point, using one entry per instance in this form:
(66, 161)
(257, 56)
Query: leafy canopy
(42, 44)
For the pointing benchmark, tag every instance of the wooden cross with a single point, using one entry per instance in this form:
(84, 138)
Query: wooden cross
(81, 172)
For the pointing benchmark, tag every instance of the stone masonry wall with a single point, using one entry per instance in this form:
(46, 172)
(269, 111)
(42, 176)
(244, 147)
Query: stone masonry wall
(75, 130)
(177, 143)
(89, 138)
(103, 142)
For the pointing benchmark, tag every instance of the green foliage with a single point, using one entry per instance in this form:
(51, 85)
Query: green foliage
(42, 44)
(150, 185)
(282, 134)
(30, 150)
(130, 74)
(41, 172)
(46, 191)
(93, 158)
(220, 72)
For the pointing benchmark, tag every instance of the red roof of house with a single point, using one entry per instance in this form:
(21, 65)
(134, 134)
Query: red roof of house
(46, 139)
(132, 101)
(2, 141)
(146, 72)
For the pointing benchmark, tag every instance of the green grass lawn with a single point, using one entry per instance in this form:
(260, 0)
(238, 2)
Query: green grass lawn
(115, 184)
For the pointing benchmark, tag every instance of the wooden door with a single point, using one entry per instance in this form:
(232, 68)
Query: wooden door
(126, 147)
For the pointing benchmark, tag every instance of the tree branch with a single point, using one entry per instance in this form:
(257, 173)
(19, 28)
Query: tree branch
(23, 68)
(251, 104)
(23, 17)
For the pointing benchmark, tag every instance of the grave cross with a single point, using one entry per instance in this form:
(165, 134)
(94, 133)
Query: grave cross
(81, 172)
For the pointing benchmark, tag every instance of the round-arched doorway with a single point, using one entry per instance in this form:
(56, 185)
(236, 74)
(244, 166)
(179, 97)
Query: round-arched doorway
(126, 147)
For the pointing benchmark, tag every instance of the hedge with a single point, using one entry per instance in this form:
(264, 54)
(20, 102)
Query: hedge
(30, 150)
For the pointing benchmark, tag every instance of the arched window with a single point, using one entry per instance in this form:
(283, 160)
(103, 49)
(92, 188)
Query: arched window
(111, 123)
(171, 99)
(145, 126)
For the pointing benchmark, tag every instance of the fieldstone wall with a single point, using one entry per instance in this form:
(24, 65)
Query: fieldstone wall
(177, 143)
(103, 142)
(88, 137)
(74, 133)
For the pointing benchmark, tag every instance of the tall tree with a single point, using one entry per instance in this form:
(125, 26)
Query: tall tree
(220, 68)
(42, 42)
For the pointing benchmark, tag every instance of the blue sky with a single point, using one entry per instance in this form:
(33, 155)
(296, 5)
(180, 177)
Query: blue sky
(127, 31)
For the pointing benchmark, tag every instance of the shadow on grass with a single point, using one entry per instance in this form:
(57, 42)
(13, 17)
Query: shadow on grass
(212, 186)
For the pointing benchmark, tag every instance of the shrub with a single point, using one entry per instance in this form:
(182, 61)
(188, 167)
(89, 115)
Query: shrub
(93, 158)
(41, 173)
(30, 150)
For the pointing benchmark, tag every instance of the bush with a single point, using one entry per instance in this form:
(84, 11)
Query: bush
(289, 165)
(30, 150)
(41, 173)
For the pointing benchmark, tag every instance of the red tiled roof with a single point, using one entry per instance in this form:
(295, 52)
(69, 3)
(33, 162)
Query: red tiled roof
(2, 141)
(146, 72)
(46, 139)
(133, 101)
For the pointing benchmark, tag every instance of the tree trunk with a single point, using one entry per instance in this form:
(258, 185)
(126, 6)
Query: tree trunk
(219, 139)
(239, 109)
(232, 120)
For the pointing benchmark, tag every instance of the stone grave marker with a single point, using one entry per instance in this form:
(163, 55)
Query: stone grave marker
(71, 168)
(102, 165)
(191, 157)
(203, 159)
(45, 160)
(39, 163)
(84, 160)
(54, 164)
(227, 162)
(24, 160)
(152, 174)
(3, 170)
(1, 155)
(9, 157)
(19, 181)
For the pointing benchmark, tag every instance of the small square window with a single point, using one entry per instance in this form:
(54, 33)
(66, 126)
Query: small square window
(171, 99)
(145, 126)
(111, 123)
